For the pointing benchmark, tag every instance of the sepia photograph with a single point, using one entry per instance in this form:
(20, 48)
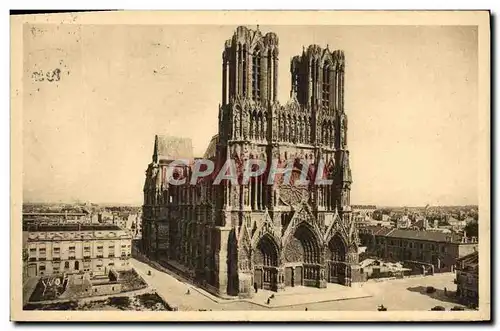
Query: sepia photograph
(250, 166)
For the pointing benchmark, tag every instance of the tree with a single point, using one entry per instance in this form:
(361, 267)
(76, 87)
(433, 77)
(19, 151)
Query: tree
(471, 229)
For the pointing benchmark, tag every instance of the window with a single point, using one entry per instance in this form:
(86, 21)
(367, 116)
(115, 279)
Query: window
(57, 250)
(32, 250)
(256, 69)
(244, 65)
(326, 87)
(42, 267)
(66, 265)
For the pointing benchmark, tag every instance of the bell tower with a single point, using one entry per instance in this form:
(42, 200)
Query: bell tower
(250, 66)
(318, 78)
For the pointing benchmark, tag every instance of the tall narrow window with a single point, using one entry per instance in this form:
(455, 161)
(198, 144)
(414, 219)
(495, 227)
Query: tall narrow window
(256, 75)
(245, 73)
(326, 87)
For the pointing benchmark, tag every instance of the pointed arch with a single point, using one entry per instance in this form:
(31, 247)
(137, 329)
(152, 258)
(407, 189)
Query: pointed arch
(337, 249)
(303, 246)
(267, 251)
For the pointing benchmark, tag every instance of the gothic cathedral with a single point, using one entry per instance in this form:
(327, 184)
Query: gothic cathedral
(232, 239)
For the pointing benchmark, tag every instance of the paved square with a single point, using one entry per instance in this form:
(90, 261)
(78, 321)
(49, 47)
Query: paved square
(395, 294)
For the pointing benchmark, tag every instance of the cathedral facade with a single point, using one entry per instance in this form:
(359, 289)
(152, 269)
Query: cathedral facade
(231, 239)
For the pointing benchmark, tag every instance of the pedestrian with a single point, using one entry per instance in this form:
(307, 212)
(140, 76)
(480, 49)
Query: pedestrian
(268, 300)
(445, 291)
(255, 287)
(306, 308)
(188, 292)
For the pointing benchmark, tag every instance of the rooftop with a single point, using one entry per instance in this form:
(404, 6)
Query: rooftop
(70, 227)
(55, 214)
(425, 235)
(172, 148)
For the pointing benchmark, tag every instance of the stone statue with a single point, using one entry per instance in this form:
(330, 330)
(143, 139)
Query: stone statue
(343, 131)
(245, 123)
(236, 130)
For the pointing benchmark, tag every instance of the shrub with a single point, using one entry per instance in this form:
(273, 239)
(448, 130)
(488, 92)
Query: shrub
(120, 302)
(149, 300)
(440, 308)
(457, 308)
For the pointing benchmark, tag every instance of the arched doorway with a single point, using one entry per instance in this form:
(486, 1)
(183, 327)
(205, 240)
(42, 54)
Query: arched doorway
(336, 257)
(302, 258)
(77, 265)
(266, 263)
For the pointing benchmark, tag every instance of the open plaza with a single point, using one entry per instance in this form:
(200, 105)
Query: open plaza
(394, 294)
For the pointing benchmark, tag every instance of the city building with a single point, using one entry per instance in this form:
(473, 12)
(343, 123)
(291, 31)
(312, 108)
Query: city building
(363, 212)
(404, 222)
(426, 251)
(75, 248)
(467, 280)
(232, 238)
(56, 217)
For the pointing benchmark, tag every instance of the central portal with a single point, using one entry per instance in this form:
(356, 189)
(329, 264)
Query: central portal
(302, 259)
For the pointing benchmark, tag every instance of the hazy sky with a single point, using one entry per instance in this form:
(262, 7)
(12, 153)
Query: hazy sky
(411, 97)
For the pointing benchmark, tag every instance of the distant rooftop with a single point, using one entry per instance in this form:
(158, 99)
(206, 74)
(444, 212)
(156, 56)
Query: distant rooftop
(55, 214)
(70, 227)
(425, 235)
(436, 236)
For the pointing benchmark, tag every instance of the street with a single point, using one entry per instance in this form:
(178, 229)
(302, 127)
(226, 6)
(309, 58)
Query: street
(396, 294)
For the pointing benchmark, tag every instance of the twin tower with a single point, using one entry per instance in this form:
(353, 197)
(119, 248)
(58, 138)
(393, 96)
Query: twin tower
(250, 80)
